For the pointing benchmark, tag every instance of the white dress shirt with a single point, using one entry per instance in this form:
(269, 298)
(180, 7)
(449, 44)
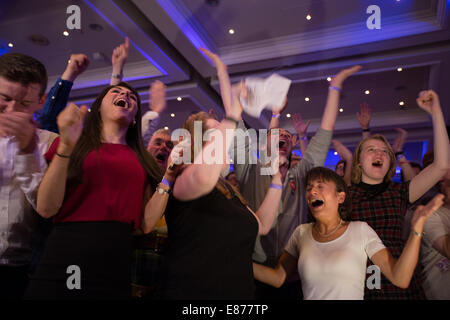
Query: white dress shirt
(20, 176)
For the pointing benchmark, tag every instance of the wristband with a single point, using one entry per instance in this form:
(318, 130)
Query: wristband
(418, 234)
(166, 182)
(276, 116)
(303, 138)
(276, 186)
(236, 122)
(117, 76)
(366, 130)
(62, 155)
(334, 88)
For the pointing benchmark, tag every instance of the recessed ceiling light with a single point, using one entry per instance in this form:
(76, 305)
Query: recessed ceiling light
(10, 45)
(166, 128)
(288, 115)
(172, 115)
(308, 17)
(307, 99)
(231, 31)
(367, 92)
(335, 153)
(179, 98)
(341, 109)
(402, 103)
(399, 69)
(66, 33)
(329, 79)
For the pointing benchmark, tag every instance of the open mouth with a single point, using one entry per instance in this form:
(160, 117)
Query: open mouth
(161, 157)
(377, 163)
(121, 103)
(316, 203)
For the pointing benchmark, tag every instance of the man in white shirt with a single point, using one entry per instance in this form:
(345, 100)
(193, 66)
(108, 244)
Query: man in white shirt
(23, 81)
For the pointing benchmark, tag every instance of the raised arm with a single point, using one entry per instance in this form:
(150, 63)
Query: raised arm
(400, 271)
(331, 107)
(58, 95)
(276, 115)
(364, 118)
(157, 105)
(347, 156)
(427, 178)
(118, 59)
(301, 128)
(397, 147)
(156, 206)
(53, 186)
(200, 177)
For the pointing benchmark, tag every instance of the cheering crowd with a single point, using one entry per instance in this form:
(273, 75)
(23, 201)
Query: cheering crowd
(103, 189)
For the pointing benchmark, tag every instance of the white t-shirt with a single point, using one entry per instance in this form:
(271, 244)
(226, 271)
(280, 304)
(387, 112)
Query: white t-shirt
(334, 270)
(436, 267)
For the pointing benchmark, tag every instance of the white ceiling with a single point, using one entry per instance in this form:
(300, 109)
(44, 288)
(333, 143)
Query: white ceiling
(270, 36)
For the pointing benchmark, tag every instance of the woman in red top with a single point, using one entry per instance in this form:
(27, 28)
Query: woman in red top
(94, 187)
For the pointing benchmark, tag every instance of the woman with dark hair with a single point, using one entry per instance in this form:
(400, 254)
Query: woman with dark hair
(383, 203)
(331, 252)
(94, 189)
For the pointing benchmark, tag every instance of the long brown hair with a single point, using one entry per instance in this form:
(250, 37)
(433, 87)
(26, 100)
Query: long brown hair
(91, 139)
(356, 168)
(226, 188)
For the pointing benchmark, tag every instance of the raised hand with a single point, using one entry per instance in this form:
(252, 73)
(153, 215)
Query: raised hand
(299, 125)
(20, 125)
(77, 64)
(218, 63)
(339, 79)
(70, 124)
(422, 213)
(364, 116)
(428, 100)
(399, 142)
(342, 150)
(280, 109)
(237, 90)
(120, 55)
(157, 96)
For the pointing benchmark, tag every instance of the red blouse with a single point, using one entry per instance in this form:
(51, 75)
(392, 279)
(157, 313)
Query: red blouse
(112, 188)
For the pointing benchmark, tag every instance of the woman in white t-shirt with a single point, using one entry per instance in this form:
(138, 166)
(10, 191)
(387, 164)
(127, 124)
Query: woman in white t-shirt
(331, 253)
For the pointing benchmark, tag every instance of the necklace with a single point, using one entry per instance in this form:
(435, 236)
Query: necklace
(329, 234)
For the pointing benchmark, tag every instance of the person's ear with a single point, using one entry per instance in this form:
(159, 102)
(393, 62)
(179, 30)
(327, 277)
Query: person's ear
(341, 197)
(39, 104)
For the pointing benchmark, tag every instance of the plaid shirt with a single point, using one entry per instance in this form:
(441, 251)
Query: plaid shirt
(383, 207)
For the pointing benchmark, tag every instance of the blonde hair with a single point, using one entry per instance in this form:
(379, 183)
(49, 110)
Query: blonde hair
(226, 188)
(356, 168)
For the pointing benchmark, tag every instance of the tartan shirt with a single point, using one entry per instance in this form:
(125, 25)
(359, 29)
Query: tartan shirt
(383, 207)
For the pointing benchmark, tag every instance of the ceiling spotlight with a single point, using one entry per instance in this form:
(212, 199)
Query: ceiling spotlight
(10, 45)
(308, 17)
(335, 153)
(231, 31)
(341, 109)
(307, 99)
(179, 98)
(399, 69)
(367, 92)
(172, 115)
(288, 115)
(66, 33)
(166, 128)
(402, 103)
(329, 79)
